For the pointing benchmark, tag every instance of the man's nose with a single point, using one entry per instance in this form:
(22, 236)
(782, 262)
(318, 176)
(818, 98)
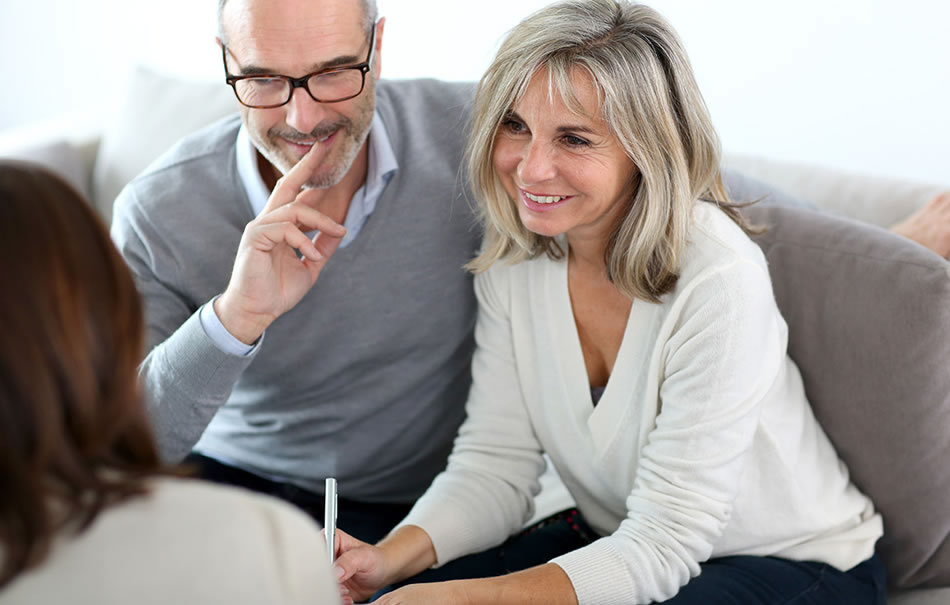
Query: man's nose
(303, 113)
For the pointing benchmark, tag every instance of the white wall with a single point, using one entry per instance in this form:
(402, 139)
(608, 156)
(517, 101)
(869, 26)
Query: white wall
(859, 84)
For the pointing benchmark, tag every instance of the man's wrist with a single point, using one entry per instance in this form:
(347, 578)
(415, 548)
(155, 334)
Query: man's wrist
(247, 329)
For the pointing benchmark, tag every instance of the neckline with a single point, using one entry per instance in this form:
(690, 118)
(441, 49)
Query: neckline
(602, 419)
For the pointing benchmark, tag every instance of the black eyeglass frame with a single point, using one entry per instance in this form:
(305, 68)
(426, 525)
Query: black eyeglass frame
(301, 82)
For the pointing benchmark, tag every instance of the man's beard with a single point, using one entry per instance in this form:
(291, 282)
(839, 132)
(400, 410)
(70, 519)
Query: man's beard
(347, 144)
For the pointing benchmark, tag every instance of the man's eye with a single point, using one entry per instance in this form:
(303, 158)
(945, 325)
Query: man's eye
(331, 76)
(265, 83)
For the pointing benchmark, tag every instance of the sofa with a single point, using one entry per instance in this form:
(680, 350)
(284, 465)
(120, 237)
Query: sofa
(868, 312)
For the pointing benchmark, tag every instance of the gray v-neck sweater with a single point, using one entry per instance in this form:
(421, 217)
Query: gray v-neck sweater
(366, 378)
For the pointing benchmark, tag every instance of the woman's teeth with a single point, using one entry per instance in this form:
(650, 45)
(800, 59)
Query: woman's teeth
(544, 199)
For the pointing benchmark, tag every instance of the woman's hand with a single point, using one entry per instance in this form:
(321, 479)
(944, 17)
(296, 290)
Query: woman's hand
(435, 593)
(546, 584)
(360, 568)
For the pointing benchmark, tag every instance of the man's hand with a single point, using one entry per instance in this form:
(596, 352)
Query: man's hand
(268, 278)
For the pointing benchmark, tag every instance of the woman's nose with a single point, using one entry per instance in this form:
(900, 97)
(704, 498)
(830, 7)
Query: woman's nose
(537, 164)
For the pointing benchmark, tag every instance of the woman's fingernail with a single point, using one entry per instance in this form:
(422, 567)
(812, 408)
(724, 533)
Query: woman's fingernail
(338, 571)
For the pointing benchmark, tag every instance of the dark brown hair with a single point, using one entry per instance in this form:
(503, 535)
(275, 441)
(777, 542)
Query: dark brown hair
(74, 437)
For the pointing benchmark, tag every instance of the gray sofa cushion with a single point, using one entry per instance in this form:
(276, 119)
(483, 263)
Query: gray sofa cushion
(60, 156)
(869, 327)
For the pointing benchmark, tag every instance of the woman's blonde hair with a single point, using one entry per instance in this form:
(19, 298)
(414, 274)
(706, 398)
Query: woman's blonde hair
(649, 100)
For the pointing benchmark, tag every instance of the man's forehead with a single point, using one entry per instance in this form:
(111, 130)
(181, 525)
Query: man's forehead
(272, 21)
(294, 35)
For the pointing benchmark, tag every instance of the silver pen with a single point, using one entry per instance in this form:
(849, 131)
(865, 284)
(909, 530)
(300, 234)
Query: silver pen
(329, 516)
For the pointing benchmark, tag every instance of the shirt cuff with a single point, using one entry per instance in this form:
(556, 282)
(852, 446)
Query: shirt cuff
(219, 335)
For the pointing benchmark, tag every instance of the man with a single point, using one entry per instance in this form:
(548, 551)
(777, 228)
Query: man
(277, 369)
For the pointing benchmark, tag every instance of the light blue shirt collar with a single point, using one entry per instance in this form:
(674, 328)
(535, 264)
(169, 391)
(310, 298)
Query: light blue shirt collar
(381, 165)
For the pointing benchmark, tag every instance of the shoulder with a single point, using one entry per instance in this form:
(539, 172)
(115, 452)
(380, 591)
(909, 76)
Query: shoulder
(193, 182)
(716, 244)
(426, 122)
(425, 106)
(247, 547)
(201, 518)
(506, 284)
(202, 154)
(223, 506)
(425, 93)
(214, 522)
(209, 142)
(723, 272)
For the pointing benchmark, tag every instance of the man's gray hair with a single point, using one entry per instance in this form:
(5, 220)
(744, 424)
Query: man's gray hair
(370, 13)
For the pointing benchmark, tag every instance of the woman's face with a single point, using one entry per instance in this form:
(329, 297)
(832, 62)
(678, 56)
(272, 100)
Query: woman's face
(566, 171)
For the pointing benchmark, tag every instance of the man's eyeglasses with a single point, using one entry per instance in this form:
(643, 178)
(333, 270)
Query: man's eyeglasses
(264, 91)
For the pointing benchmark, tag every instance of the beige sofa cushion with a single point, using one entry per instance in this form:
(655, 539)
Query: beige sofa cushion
(871, 199)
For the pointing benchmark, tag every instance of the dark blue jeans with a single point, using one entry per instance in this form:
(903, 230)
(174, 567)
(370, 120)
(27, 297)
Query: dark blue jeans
(737, 580)
(366, 521)
(767, 580)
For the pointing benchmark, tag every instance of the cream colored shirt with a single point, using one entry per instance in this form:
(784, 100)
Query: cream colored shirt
(702, 445)
(187, 542)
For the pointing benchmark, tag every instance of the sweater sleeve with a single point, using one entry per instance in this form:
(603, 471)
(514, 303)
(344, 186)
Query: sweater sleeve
(486, 492)
(723, 348)
(185, 376)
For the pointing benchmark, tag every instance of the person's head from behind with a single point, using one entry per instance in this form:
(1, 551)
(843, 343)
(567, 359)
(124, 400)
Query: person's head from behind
(73, 430)
(326, 54)
(589, 122)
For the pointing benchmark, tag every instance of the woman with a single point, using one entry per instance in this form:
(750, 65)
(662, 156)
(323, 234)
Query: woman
(628, 329)
(87, 513)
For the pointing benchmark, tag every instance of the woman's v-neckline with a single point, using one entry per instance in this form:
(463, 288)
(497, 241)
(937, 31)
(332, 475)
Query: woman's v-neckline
(603, 421)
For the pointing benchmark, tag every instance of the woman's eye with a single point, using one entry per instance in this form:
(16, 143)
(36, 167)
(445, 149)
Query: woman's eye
(573, 141)
(513, 125)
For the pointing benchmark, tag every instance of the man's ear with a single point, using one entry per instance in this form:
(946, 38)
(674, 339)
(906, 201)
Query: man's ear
(380, 25)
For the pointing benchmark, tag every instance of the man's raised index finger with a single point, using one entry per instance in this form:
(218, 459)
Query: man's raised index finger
(289, 185)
